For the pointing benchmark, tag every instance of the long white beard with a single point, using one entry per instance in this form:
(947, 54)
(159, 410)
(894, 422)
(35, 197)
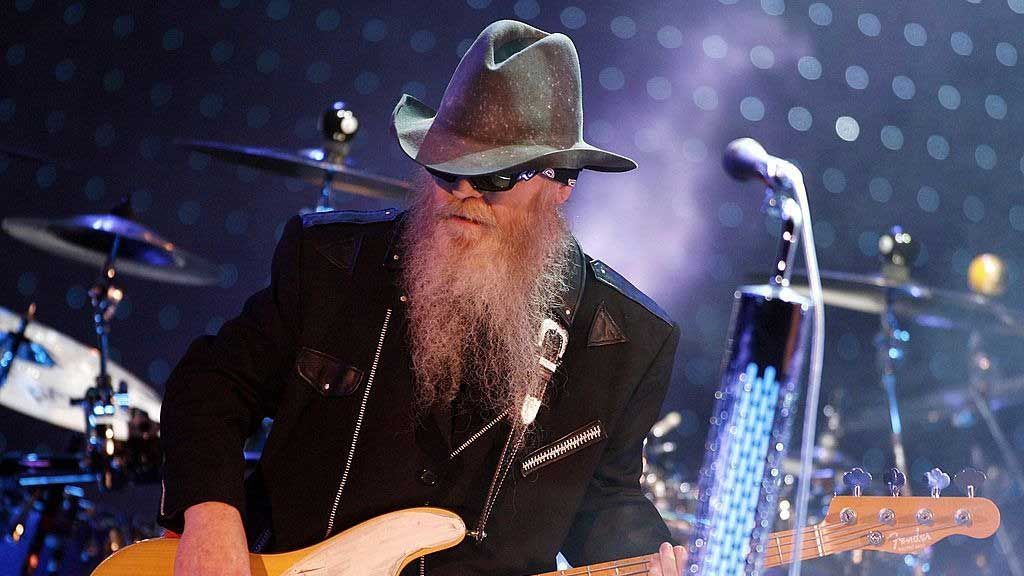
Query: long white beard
(475, 308)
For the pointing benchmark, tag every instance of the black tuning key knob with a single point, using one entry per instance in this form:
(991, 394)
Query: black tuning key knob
(968, 480)
(937, 481)
(857, 479)
(895, 480)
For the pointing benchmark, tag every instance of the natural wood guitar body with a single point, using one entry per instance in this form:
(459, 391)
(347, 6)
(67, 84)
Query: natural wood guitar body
(382, 546)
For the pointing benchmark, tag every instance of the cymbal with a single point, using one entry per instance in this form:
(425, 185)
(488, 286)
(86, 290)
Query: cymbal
(314, 165)
(44, 389)
(141, 252)
(925, 306)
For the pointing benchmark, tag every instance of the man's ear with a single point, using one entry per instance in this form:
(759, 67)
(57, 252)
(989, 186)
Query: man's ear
(562, 193)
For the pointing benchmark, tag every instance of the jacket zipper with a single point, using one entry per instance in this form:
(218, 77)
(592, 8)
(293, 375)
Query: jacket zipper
(359, 423)
(561, 448)
(478, 434)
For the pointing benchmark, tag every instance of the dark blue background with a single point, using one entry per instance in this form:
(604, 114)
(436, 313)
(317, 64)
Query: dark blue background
(935, 90)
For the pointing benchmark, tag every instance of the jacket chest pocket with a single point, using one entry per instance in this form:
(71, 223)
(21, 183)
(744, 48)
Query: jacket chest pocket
(565, 446)
(329, 376)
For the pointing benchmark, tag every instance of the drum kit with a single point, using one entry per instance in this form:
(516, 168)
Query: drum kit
(901, 306)
(49, 524)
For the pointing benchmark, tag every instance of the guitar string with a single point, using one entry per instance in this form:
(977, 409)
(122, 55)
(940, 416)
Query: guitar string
(834, 542)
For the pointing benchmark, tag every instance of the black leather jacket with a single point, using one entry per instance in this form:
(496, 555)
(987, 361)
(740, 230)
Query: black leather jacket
(324, 352)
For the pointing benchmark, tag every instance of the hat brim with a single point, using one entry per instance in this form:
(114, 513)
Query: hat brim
(412, 122)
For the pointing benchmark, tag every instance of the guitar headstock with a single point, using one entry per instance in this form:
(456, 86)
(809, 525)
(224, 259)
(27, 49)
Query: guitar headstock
(905, 524)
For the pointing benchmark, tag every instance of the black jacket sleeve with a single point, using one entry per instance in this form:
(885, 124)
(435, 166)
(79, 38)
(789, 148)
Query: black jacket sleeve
(223, 387)
(615, 519)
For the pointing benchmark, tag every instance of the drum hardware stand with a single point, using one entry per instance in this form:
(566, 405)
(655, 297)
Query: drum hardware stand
(100, 402)
(981, 371)
(338, 125)
(18, 340)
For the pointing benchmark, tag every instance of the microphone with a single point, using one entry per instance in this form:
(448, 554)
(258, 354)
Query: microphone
(746, 159)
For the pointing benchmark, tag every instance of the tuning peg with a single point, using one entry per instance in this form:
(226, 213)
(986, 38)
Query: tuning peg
(968, 480)
(937, 481)
(857, 479)
(895, 480)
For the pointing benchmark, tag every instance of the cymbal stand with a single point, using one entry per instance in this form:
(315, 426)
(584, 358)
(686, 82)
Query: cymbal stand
(17, 340)
(339, 125)
(981, 371)
(890, 342)
(99, 403)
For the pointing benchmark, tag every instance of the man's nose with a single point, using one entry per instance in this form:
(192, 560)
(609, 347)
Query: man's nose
(463, 189)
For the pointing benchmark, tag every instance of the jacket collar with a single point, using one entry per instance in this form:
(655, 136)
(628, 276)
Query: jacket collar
(571, 298)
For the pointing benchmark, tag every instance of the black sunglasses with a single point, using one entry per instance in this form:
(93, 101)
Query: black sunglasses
(503, 181)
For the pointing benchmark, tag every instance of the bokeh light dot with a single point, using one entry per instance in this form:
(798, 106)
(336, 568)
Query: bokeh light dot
(949, 97)
(104, 135)
(46, 176)
(189, 212)
(752, 108)
(65, 70)
(903, 87)
(715, 47)
(27, 283)
(847, 128)
(375, 30)
(526, 9)
(800, 118)
(211, 105)
(938, 147)
(809, 67)
(318, 72)
(236, 222)
(1017, 218)
(158, 371)
(422, 41)
(113, 80)
(880, 189)
(824, 234)
(1016, 5)
(773, 7)
(257, 116)
(228, 276)
(869, 25)
(573, 17)
(670, 37)
(695, 150)
(820, 13)
(857, 77)
(278, 10)
(463, 46)
(705, 97)
(74, 13)
(915, 34)
(928, 199)
(985, 157)
(8, 107)
(961, 43)
(611, 78)
(416, 89)
(198, 161)
(973, 208)
(15, 54)
(268, 61)
(75, 297)
(1006, 54)
(623, 27)
(599, 131)
(478, 4)
(730, 215)
(995, 106)
(142, 200)
(834, 180)
(892, 137)
(95, 188)
(150, 147)
(229, 4)
(867, 243)
(124, 25)
(762, 57)
(213, 325)
(659, 88)
(328, 20)
(222, 51)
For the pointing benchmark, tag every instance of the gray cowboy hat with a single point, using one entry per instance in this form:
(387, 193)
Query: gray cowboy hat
(513, 102)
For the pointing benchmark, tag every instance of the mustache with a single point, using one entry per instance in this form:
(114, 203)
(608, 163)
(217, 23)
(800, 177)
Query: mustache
(471, 209)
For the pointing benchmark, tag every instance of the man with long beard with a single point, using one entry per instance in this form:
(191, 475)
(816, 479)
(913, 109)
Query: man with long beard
(398, 356)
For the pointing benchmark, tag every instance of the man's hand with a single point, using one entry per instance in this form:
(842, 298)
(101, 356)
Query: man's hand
(669, 561)
(213, 542)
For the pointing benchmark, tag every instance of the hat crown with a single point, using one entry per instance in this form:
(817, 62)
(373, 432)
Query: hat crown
(515, 85)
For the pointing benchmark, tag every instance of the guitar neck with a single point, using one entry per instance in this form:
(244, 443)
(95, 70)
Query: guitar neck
(779, 551)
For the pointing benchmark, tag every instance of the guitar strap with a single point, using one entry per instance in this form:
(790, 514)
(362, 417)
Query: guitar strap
(552, 341)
